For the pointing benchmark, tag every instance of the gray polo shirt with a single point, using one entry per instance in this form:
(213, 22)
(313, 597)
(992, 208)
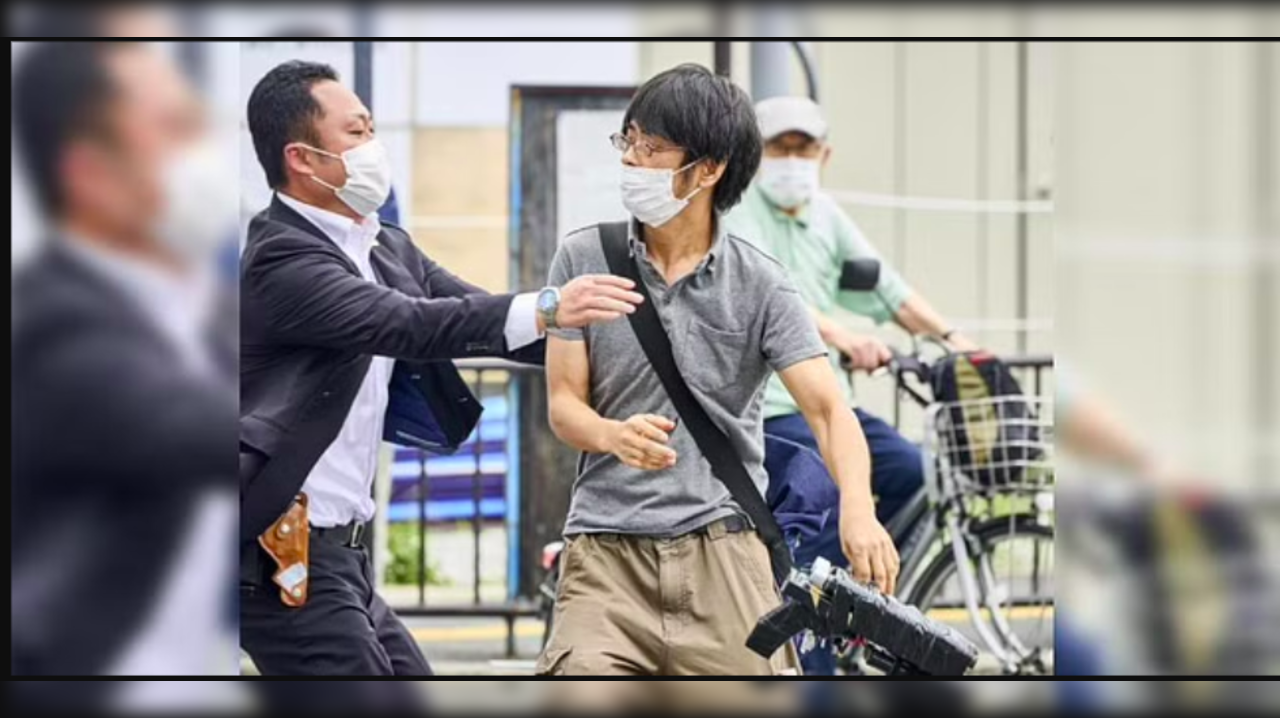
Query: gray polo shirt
(732, 321)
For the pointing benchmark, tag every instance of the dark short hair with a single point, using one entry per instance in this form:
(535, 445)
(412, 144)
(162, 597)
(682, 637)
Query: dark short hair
(61, 92)
(709, 116)
(283, 110)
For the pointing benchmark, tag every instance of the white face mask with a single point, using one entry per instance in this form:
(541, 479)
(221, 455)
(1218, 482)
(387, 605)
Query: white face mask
(648, 196)
(200, 195)
(789, 182)
(368, 176)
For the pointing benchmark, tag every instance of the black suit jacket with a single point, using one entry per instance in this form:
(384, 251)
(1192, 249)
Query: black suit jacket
(309, 327)
(114, 443)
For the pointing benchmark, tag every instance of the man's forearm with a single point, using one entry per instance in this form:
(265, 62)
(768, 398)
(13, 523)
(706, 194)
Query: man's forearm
(1091, 430)
(918, 316)
(844, 449)
(840, 439)
(578, 425)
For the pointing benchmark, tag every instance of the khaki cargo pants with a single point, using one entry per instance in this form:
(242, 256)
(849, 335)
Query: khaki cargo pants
(633, 605)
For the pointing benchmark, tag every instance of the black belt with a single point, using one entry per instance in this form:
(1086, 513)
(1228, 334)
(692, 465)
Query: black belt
(733, 524)
(349, 535)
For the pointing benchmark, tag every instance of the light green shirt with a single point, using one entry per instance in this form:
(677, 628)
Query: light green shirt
(813, 246)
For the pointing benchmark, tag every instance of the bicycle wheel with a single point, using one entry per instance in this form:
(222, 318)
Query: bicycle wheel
(1012, 559)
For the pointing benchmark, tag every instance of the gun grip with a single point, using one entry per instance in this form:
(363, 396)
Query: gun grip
(776, 628)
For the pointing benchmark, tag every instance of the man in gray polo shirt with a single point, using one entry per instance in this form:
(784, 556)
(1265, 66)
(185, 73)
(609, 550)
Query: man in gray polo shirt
(662, 574)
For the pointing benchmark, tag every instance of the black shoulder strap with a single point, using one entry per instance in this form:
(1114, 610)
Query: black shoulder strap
(711, 441)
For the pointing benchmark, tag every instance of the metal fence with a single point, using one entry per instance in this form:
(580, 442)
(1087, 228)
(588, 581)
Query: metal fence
(478, 493)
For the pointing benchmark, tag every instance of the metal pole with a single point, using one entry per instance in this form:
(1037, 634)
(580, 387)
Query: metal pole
(364, 72)
(771, 61)
(722, 49)
(983, 178)
(422, 527)
(191, 55)
(1266, 229)
(804, 54)
(476, 495)
(900, 150)
(363, 55)
(1022, 263)
(363, 21)
(770, 69)
(723, 57)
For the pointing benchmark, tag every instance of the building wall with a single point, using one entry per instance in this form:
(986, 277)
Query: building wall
(1168, 256)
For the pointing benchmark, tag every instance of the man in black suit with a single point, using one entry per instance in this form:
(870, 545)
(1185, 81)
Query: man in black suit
(346, 333)
(123, 511)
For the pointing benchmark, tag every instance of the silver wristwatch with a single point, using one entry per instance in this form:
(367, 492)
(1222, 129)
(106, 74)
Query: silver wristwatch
(548, 305)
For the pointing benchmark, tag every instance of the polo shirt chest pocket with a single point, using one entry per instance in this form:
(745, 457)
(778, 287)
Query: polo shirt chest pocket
(715, 358)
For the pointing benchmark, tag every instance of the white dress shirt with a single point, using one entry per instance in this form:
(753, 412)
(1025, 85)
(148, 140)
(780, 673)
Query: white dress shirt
(339, 487)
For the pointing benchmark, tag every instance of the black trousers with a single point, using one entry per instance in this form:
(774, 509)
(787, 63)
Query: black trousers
(344, 629)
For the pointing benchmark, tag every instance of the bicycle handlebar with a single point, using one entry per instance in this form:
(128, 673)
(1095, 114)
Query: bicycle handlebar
(914, 364)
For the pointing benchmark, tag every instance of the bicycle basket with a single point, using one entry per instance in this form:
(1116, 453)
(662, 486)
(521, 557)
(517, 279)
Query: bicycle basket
(983, 429)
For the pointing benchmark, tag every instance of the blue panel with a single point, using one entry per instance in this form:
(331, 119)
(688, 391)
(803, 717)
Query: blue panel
(457, 510)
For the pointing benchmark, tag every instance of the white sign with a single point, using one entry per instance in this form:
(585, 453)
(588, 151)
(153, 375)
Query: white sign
(468, 84)
(587, 168)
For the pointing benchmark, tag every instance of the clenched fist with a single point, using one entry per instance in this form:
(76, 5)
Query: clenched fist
(865, 352)
(641, 442)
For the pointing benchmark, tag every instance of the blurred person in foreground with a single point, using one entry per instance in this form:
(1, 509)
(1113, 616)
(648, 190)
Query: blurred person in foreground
(123, 374)
(786, 213)
(1184, 557)
(120, 20)
(347, 331)
(663, 571)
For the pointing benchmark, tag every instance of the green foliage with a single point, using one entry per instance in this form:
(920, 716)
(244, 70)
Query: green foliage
(403, 542)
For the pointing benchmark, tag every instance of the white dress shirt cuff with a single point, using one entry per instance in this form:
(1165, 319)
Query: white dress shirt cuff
(522, 321)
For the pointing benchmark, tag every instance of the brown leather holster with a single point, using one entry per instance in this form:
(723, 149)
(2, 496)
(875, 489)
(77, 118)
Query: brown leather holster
(287, 542)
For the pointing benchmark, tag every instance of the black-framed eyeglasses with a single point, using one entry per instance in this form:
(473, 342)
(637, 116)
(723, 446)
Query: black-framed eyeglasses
(644, 148)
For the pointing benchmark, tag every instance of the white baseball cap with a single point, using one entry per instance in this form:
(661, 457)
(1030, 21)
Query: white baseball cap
(778, 115)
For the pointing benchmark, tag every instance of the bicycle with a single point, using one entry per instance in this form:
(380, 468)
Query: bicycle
(956, 521)
(1186, 574)
(973, 505)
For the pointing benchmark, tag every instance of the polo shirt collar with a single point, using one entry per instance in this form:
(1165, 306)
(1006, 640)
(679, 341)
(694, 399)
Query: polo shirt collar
(719, 233)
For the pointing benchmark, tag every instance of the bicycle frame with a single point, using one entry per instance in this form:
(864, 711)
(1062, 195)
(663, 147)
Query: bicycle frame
(978, 583)
(914, 534)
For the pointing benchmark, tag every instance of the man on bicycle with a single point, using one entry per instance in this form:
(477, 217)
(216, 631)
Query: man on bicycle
(785, 213)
